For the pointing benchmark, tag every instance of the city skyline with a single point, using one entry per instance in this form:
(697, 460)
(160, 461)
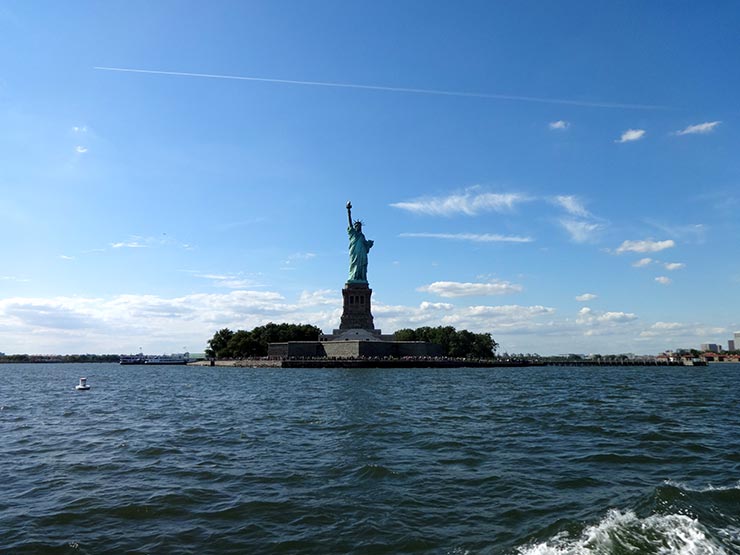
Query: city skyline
(561, 176)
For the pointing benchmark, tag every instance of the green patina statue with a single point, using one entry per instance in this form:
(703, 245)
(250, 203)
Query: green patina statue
(358, 249)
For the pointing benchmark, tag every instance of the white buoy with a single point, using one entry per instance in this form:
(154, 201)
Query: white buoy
(82, 386)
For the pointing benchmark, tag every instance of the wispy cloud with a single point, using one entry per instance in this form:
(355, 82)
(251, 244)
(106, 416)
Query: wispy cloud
(14, 278)
(663, 280)
(631, 135)
(458, 289)
(586, 297)
(663, 327)
(642, 262)
(130, 244)
(581, 231)
(300, 256)
(520, 98)
(469, 203)
(81, 149)
(560, 125)
(645, 246)
(699, 128)
(694, 233)
(293, 261)
(66, 257)
(140, 242)
(681, 331)
(474, 237)
(229, 281)
(571, 204)
(671, 266)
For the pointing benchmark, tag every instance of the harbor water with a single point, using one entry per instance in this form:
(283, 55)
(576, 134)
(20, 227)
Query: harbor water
(622, 460)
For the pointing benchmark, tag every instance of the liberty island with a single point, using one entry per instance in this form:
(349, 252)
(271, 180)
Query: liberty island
(356, 337)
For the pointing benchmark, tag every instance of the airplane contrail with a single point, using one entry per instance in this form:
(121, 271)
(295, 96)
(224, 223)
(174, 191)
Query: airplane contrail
(591, 104)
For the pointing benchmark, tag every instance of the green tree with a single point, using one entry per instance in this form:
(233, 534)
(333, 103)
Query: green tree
(252, 343)
(405, 334)
(454, 343)
(218, 345)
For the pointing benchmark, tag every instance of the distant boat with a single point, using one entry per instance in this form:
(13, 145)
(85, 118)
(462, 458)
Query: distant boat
(82, 386)
(175, 358)
(132, 359)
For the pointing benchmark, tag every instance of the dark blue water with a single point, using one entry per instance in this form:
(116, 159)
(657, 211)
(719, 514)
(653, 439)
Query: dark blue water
(228, 460)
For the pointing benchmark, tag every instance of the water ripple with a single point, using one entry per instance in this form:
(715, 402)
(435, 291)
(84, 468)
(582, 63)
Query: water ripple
(490, 461)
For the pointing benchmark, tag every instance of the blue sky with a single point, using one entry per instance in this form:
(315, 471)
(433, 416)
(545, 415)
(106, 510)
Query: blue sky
(563, 175)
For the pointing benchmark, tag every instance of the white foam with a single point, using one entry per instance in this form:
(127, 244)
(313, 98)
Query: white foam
(708, 487)
(626, 532)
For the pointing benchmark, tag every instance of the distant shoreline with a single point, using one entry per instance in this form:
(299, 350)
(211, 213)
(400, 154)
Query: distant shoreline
(419, 363)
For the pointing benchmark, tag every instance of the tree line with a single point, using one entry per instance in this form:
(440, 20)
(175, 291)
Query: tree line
(455, 343)
(226, 343)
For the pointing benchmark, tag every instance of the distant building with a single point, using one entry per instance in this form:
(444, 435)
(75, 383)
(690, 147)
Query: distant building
(731, 345)
(711, 347)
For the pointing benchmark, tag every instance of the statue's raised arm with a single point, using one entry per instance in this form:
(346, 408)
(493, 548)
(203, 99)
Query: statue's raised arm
(349, 213)
(358, 249)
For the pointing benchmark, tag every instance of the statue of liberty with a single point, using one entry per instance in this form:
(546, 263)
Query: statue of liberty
(358, 249)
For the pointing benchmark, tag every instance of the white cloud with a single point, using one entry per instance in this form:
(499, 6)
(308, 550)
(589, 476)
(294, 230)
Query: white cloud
(580, 231)
(80, 129)
(130, 244)
(586, 297)
(665, 326)
(469, 203)
(631, 135)
(293, 260)
(320, 297)
(301, 256)
(125, 322)
(674, 266)
(65, 257)
(139, 242)
(699, 128)
(663, 280)
(591, 323)
(642, 262)
(474, 237)
(572, 205)
(618, 317)
(229, 281)
(80, 149)
(645, 246)
(682, 334)
(664, 330)
(506, 319)
(426, 305)
(458, 289)
(560, 124)
(687, 232)
(589, 316)
(14, 278)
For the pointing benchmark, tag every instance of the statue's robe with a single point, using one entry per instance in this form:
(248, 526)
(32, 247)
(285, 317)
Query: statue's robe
(358, 249)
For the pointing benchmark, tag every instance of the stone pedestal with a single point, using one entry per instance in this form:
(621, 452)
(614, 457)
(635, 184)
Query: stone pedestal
(356, 311)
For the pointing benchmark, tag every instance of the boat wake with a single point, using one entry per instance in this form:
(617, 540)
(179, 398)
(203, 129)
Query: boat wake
(675, 519)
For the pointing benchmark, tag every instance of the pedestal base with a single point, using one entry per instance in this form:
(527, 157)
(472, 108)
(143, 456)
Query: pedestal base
(356, 312)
